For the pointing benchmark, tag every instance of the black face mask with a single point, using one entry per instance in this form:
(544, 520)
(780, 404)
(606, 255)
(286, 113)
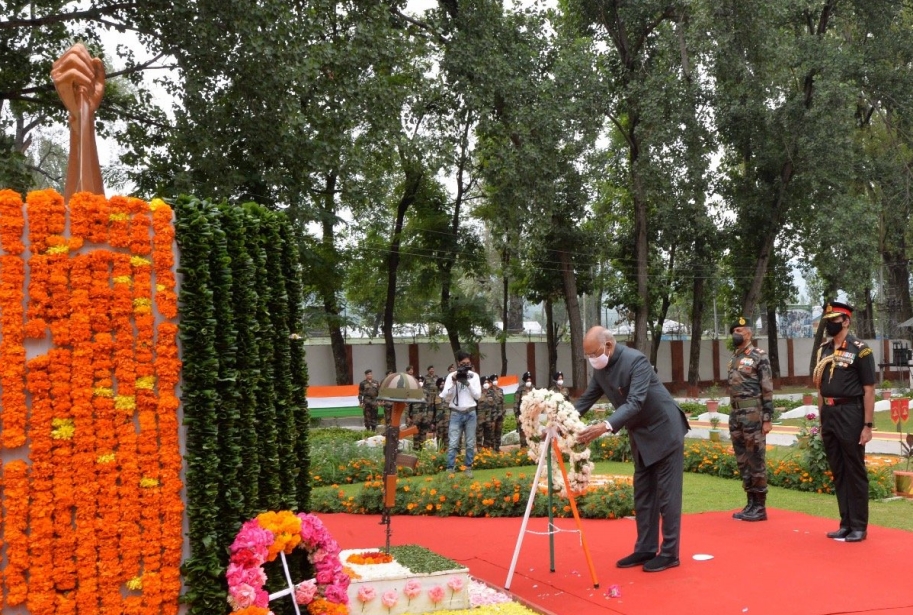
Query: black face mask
(738, 339)
(833, 327)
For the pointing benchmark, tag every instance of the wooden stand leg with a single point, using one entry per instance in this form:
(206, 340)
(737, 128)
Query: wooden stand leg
(573, 501)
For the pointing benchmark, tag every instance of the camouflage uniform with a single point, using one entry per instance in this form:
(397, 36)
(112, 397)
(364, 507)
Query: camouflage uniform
(420, 415)
(497, 421)
(751, 393)
(563, 390)
(368, 390)
(485, 411)
(518, 399)
(441, 414)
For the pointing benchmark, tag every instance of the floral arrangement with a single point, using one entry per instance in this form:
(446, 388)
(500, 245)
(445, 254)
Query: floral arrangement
(94, 520)
(900, 412)
(563, 420)
(261, 539)
(370, 558)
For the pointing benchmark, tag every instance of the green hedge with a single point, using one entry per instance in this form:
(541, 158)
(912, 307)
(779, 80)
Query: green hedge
(244, 380)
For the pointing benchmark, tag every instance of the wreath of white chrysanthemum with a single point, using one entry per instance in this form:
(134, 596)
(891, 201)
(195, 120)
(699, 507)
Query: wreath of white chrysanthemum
(560, 414)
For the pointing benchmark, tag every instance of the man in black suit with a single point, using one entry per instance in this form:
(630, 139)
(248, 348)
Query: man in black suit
(657, 428)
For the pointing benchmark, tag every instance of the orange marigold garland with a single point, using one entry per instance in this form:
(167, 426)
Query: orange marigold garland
(167, 369)
(46, 217)
(163, 258)
(16, 494)
(119, 222)
(12, 222)
(97, 518)
(63, 429)
(85, 464)
(13, 410)
(41, 596)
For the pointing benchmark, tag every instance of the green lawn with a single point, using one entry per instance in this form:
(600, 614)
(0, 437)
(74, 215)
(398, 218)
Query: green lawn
(883, 424)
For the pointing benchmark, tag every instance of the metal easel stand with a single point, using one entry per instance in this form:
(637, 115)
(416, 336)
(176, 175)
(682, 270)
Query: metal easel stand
(545, 462)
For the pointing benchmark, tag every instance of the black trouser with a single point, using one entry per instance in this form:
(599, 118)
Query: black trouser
(841, 427)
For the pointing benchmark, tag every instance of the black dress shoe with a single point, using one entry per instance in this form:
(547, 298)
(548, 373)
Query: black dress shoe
(635, 559)
(855, 536)
(661, 562)
(841, 533)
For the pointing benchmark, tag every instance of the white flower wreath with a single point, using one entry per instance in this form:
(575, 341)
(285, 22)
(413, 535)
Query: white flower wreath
(560, 414)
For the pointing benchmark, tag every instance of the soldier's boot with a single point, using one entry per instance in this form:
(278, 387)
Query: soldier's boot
(759, 511)
(740, 515)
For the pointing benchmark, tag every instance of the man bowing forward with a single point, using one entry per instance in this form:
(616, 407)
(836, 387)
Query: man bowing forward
(657, 428)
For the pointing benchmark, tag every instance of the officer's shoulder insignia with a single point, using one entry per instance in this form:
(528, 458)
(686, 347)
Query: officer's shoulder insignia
(761, 351)
(859, 343)
(865, 352)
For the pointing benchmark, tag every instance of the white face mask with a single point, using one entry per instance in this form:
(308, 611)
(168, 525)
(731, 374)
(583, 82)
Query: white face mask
(559, 382)
(600, 361)
(494, 382)
(486, 386)
(529, 383)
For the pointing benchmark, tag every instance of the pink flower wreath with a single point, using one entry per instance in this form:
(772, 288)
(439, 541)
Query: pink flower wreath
(261, 540)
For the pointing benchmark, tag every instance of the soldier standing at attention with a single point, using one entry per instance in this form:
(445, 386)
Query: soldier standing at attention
(845, 377)
(497, 425)
(420, 416)
(485, 415)
(559, 387)
(368, 390)
(525, 387)
(387, 405)
(751, 397)
(441, 416)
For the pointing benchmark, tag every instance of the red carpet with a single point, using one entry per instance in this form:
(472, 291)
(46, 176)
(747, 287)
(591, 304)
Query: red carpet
(779, 567)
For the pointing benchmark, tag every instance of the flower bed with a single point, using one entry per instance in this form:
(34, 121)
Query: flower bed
(393, 588)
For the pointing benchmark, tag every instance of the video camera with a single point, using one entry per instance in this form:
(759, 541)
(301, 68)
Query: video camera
(462, 373)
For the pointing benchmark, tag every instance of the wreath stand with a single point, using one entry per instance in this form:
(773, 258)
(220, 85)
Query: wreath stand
(545, 461)
(288, 591)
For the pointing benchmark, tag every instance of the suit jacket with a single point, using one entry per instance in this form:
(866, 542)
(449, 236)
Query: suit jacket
(656, 424)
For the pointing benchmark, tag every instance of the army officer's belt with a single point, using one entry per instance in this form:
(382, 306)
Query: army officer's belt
(840, 401)
(741, 404)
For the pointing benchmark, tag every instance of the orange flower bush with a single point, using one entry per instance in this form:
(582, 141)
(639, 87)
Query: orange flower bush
(93, 518)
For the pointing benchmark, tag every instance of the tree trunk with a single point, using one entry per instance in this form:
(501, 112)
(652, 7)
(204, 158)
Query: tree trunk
(551, 337)
(898, 288)
(515, 315)
(658, 331)
(578, 365)
(505, 297)
(697, 328)
(865, 321)
(328, 290)
(414, 173)
(641, 252)
(773, 349)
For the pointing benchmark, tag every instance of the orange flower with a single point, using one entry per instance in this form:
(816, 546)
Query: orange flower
(12, 222)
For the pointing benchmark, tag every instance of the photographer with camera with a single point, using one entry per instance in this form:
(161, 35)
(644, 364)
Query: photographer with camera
(462, 390)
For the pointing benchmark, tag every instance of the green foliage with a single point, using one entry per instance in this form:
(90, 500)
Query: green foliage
(692, 408)
(236, 335)
(809, 439)
(420, 560)
(446, 495)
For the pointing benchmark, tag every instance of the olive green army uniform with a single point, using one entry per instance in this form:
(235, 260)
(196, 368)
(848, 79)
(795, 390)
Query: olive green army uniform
(368, 390)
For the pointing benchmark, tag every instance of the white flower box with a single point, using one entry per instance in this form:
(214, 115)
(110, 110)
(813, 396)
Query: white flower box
(393, 577)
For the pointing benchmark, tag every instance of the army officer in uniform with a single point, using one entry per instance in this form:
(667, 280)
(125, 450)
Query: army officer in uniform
(845, 377)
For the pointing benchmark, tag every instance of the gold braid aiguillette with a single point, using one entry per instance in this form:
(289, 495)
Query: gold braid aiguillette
(821, 365)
